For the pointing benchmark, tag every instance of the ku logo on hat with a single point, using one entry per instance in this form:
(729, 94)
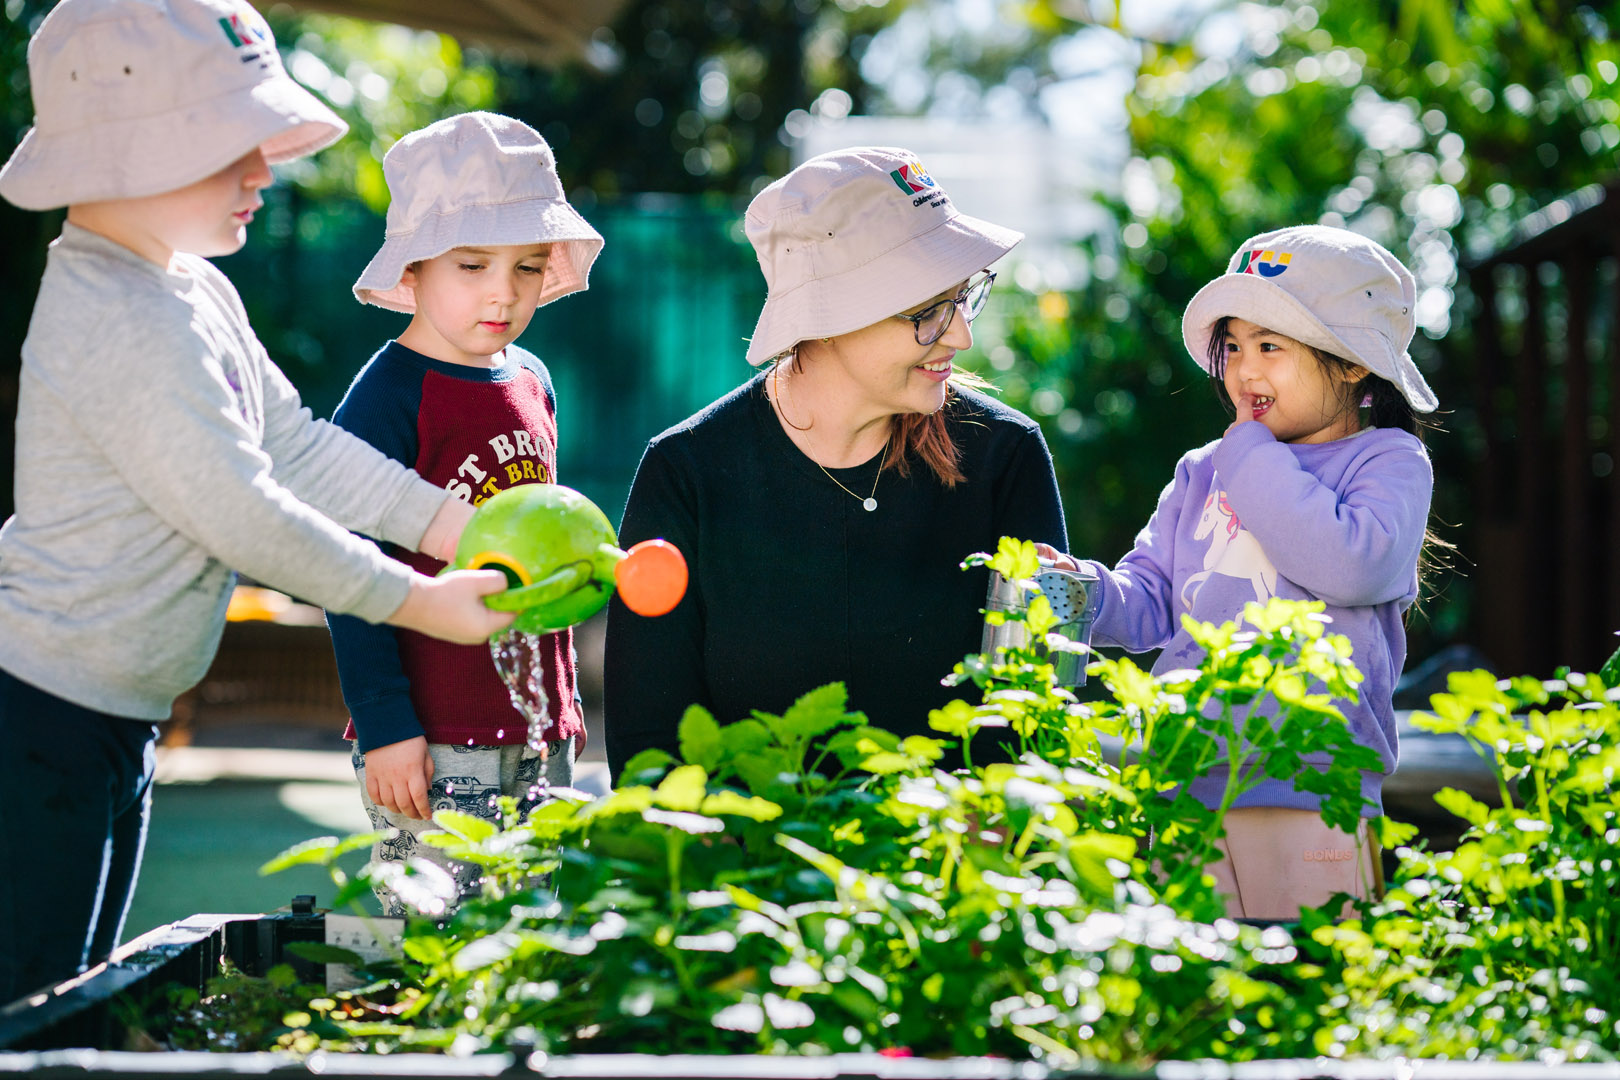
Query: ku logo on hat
(245, 28)
(1265, 263)
(913, 179)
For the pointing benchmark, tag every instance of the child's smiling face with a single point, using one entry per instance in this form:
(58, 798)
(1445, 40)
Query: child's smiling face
(472, 302)
(1280, 382)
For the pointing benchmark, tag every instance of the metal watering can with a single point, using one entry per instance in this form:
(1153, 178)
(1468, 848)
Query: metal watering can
(560, 554)
(1074, 598)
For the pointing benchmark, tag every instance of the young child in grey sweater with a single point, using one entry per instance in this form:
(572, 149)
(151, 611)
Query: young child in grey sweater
(159, 449)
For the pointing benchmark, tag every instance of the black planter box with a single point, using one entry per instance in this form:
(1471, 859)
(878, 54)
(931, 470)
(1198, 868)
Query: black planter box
(80, 1012)
(72, 1031)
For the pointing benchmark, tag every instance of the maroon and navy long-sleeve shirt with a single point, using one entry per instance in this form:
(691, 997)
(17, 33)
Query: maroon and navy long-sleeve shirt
(472, 431)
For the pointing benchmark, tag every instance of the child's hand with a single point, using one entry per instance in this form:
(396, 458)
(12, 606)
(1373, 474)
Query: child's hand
(398, 775)
(1245, 411)
(1056, 557)
(444, 531)
(452, 607)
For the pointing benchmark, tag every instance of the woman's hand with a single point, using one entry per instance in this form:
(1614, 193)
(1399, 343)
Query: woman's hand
(1056, 557)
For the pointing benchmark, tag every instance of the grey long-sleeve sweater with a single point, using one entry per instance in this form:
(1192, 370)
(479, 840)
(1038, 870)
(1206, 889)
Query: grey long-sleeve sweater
(159, 449)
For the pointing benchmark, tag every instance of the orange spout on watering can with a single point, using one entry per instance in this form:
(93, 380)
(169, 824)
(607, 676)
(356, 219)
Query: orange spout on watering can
(560, 554)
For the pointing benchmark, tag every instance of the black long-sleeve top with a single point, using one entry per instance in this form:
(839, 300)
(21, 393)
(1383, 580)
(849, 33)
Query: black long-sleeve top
(795, 585)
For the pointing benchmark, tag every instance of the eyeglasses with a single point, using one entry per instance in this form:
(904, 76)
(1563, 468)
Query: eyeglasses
(932, 321)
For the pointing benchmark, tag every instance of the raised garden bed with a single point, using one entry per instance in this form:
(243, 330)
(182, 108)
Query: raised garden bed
(77, 1029)
(84, 1012)
(1034, 919)
(75, 1032)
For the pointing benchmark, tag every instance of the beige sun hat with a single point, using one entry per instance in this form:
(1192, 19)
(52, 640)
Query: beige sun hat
(1333, 289)
(854, 236)
(478, 178)
(139, 97)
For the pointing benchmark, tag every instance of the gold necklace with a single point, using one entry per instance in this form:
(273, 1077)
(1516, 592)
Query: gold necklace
(870, 502)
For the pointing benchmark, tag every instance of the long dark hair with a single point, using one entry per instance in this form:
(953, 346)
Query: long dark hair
(1379, 402)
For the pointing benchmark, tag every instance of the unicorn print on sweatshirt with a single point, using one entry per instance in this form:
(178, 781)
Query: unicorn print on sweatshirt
(1233, 552)
(1318, 490)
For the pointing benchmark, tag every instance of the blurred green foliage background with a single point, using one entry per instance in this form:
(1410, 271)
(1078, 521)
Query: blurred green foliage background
(1434, 126)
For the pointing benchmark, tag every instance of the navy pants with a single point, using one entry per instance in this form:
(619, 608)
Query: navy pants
(72, 826)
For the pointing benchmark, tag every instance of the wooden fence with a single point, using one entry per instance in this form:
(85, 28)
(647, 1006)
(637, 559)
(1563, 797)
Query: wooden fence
(1546, 389)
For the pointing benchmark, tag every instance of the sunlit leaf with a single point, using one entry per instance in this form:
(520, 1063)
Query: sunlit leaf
(701, 741)
(463, 825)
(730, 802)
(682, 789)
(320, 851)
(685, 822)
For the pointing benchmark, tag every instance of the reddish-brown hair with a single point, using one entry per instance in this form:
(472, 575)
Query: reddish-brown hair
(927, 437)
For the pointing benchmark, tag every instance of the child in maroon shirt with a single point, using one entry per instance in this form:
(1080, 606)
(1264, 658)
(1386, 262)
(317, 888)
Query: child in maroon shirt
(479, 235)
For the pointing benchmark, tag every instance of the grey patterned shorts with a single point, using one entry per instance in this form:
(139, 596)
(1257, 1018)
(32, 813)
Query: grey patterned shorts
(468, 779)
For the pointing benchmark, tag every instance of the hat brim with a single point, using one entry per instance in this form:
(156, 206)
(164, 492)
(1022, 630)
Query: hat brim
(1256, 300)
(131, 159)
(919, 269)
(531, 221)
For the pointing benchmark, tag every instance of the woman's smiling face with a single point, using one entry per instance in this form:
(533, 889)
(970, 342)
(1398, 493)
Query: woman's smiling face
(889, 371)
(1298, 397)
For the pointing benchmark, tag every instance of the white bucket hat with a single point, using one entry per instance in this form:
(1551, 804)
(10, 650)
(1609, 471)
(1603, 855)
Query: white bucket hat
(139, 97)
(477, 178)
(854, 236)
(1333, 289)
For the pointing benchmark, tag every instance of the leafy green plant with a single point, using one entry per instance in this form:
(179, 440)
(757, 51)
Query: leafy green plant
(806, 883)
(1259, 705)
(233, 1012)
(1507, 945)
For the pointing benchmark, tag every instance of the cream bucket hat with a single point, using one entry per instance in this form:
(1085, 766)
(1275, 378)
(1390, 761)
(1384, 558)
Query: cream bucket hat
(477, 178)
(854, 236)
(140, 97)
(1333, 289)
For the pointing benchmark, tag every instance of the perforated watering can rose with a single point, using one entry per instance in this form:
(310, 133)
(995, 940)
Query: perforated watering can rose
(560, 554)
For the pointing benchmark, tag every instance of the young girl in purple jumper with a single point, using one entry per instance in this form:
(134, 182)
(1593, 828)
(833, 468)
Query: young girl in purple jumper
(1319, 490)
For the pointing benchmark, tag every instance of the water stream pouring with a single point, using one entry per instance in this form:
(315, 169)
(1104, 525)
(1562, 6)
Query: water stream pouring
(562, 559)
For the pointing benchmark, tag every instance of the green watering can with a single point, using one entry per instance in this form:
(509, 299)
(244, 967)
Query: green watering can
(560, 554)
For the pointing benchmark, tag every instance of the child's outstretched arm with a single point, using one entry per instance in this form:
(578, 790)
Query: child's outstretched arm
(185, 437)
(444, 531)
(353, 480)
(1355, 543)
(1137, 609)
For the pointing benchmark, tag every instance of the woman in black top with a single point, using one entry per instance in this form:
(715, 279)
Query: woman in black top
(824, 507)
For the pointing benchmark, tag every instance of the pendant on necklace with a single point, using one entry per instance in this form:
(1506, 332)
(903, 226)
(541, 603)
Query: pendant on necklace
(869, 504)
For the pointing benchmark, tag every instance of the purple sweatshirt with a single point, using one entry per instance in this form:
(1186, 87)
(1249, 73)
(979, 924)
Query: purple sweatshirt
(1249, 518)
